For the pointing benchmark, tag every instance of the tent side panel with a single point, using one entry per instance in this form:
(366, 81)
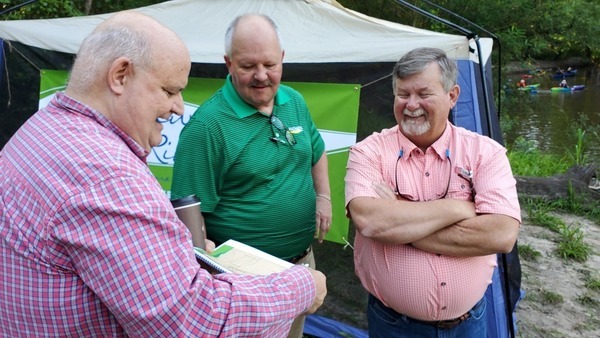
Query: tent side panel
(466, 112)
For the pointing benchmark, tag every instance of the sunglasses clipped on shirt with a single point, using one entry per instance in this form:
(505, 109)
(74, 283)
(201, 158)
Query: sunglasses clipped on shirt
(279, 128)
(463, 173)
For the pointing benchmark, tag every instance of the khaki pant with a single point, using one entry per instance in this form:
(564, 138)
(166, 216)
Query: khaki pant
(297, 329)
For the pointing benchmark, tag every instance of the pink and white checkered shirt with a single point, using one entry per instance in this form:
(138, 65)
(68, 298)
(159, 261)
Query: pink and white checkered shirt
(91, 247)
(411, 281)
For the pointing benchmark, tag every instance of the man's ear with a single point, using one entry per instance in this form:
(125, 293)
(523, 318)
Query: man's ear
(454, 92)
(227, 62)
(119, 72)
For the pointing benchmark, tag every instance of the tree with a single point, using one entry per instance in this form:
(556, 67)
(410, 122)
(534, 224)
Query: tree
(527, 29)
(47, 9)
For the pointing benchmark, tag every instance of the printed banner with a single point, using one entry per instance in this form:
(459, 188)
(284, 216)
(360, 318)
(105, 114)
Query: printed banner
(333, 107)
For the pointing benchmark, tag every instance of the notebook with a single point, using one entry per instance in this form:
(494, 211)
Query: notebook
(236, 257)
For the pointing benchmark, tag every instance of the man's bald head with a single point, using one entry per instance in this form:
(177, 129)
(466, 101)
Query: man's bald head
(129, 34)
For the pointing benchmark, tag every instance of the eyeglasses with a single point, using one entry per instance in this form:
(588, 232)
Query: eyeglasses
(409, 198)
(277, 128)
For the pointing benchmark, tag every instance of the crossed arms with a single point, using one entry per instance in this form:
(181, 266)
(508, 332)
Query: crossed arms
(446, 226)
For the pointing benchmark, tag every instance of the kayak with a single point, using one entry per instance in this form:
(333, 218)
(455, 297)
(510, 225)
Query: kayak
(567, 89)
(529, 87)
(577, 87)
(567, 73)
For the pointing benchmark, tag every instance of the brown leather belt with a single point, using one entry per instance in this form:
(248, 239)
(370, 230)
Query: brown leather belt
(296, 259)
(443, 324)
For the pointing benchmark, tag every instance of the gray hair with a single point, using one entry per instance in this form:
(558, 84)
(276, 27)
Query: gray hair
(233, 25)
(418, 59)
(99, 49)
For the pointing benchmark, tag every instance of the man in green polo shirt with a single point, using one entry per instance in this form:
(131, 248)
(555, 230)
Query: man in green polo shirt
(254, 156)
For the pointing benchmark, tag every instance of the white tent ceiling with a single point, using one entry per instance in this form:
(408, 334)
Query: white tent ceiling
(314, 31)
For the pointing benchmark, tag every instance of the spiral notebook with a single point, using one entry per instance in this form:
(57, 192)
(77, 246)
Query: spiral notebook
(236, 257)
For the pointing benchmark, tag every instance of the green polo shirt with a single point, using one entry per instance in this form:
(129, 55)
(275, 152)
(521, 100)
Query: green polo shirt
(253, 189)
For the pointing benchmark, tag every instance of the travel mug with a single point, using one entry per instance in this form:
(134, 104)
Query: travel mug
(188, 211)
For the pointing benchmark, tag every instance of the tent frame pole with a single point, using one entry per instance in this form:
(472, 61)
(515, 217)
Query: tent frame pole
(15, 7)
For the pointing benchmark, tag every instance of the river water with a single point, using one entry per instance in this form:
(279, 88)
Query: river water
(549, 119)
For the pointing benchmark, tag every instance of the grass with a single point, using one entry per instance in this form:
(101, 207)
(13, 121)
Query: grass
(592, 282)
(547, 297)
(570, 242)
(526, 160)
(528, 253)
(587, 299)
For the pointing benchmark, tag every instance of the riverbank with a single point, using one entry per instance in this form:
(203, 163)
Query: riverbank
(523, 67)
(562, 297)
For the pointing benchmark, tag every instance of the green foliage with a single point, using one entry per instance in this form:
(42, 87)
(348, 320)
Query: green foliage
(47, 9)
(526, 29)
(40, 9)
(585, 132)
(577, 204)
(528, 253)
(571, 244)
(592, 283)
(550, 298)
(578, 156)
(587, 299)
(538, 211)
(526, 160)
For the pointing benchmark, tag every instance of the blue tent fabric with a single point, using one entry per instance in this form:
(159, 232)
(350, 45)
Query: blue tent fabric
(466, 112)
(323, 327)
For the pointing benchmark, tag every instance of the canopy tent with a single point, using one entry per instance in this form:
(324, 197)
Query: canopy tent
(313, 31)
(323, 42)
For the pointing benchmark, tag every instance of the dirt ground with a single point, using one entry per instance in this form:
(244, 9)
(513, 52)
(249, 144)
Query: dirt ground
(577, 315)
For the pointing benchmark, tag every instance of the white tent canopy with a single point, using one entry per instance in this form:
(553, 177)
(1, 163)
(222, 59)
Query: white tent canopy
(314, 31)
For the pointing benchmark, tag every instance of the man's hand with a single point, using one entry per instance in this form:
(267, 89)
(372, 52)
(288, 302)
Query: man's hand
(324, 216)
(384, 191)
(321, 286)
(209, 246)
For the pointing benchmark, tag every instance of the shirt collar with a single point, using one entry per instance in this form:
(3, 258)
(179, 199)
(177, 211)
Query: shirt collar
(75, 106)
(439, 146)
(240, 107)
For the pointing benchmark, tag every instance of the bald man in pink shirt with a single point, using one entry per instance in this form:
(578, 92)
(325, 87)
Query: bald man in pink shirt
(432, 204)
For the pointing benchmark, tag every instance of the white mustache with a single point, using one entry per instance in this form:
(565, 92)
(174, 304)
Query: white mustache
(261, 84)
(417, 113)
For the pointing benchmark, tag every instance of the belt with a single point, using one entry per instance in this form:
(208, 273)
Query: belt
(443, 324)
(296, 259)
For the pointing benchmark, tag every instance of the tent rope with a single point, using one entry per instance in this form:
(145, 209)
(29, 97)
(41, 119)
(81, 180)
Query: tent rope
(7, 77)
(23, 56)
(13, 48)
(375, 81)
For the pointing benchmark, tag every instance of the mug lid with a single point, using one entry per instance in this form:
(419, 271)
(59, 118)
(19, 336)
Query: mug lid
(185, 201)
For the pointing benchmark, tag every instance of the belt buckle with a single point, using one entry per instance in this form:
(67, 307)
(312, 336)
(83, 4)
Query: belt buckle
(296, 259)
(452, 323)
(448, 324)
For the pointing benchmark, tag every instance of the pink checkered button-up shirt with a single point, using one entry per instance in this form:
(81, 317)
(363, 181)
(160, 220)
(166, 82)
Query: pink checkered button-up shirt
(91, 247)
(411, 281)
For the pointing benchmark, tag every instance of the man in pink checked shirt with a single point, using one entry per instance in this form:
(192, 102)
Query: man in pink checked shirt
(90, 246)
(432, 204)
